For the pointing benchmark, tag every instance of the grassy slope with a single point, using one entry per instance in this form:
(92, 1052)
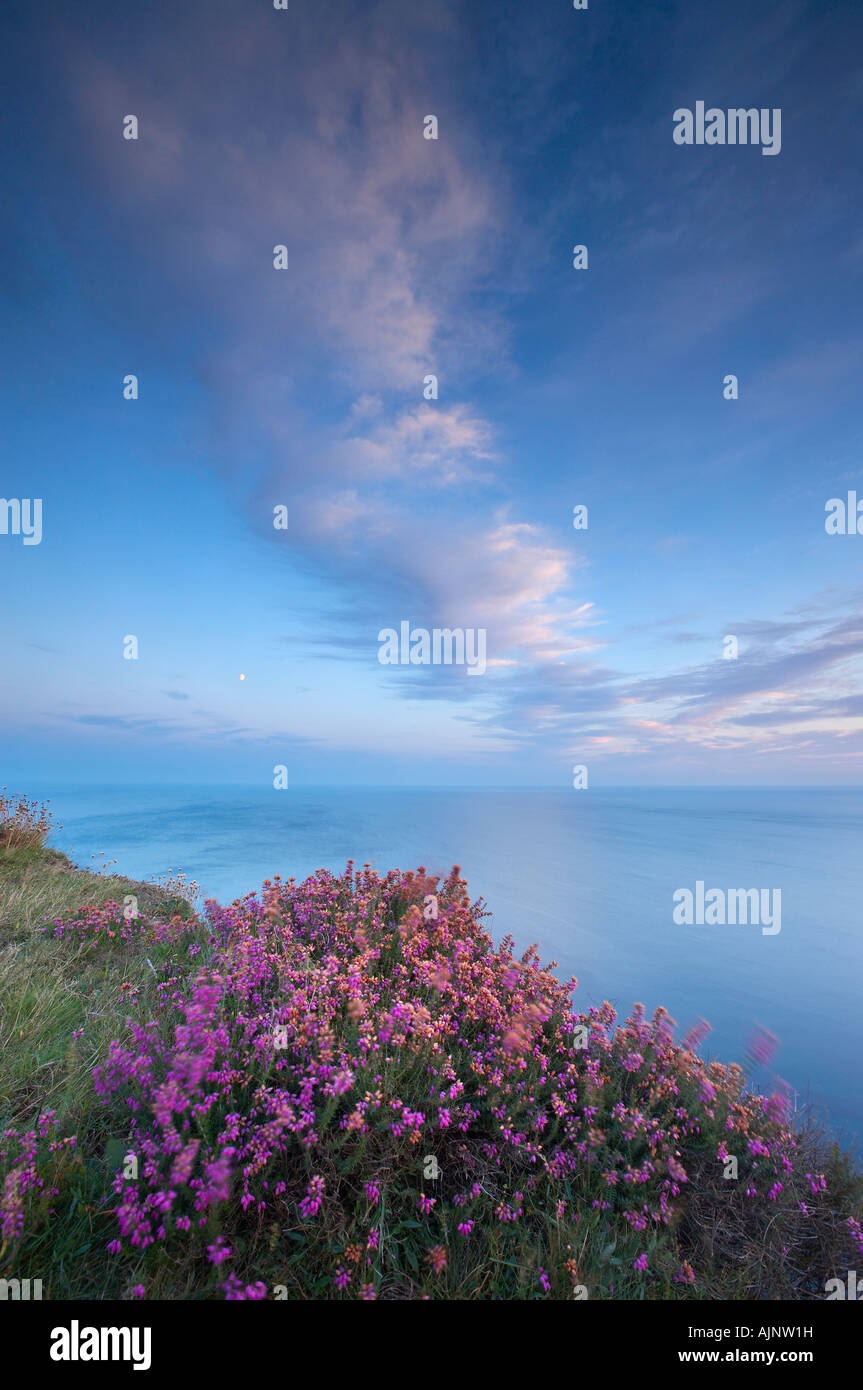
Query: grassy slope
(46, 994)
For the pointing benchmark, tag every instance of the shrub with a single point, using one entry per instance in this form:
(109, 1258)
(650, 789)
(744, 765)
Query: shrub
(112, 922)
(365, 1097)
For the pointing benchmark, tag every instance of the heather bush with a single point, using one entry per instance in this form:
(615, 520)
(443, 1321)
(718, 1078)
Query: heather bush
(113, 922)
(32, 1164)
(347, 1090)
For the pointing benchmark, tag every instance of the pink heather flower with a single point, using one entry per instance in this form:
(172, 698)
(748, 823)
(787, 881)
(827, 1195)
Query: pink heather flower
(218, 1178)
(425, 1204)
(372, 1242)
(775, 1191)
(677, 1173)
(183, 1164)
(311, 1203)
(544, 1280)
(696, 1035)
(641, 1263)
(372, 1191)
(234, 1289)
(778, 1106)
(465, 1227)
(12, 1206)
(343, 1277)
(219, 1251)
(114, 1247)
(367, 1291)
(138, 1291)
(761, 1047)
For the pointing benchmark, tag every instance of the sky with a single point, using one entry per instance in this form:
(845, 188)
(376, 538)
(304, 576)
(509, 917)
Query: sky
(602, 387)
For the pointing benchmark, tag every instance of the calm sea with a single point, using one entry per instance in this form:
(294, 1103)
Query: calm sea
(589, 875)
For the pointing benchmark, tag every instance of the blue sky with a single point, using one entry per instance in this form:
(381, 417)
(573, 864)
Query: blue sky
(304, 387)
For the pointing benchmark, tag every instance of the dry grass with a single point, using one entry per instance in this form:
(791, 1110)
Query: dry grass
(23, 822)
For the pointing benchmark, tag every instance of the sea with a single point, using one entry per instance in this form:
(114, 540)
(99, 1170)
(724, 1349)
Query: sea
(589, 875)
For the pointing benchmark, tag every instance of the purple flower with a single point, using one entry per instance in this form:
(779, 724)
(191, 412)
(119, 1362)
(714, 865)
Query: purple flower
(311, 1203)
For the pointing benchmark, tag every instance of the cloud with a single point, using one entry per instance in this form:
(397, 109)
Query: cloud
(127, 723)
(778, 696)
(390, 239)
(384, 229)
(314, 375)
